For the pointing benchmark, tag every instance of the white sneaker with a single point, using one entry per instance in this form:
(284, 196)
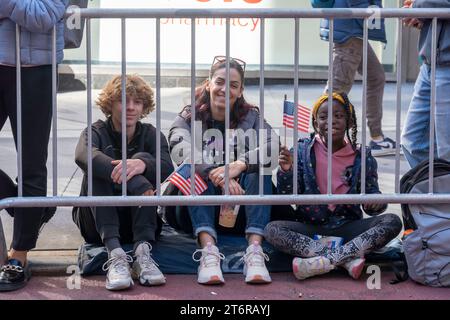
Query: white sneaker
(145, 268)
(118, 266)
(308, 267)
(355, 267)
(255, 270)
(209, 271)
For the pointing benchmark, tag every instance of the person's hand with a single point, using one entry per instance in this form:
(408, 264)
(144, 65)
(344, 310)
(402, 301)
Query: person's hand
(149, 192)
(373, 207)
(411, 22)
(217, 175)
(285, 159)
(234, 187)
(134, 168)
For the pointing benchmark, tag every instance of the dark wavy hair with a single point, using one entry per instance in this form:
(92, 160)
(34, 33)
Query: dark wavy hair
(203, 99)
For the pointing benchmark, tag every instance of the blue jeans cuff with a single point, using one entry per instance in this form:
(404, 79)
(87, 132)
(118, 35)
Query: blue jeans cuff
(254, 230)
(208, 230)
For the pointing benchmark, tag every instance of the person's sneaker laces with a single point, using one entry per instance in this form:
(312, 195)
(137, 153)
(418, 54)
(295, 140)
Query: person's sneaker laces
(382, 148)
(145, 268)
(355, 267)
(255, 269)
(307, 267)
(118, 266)
(209, 271)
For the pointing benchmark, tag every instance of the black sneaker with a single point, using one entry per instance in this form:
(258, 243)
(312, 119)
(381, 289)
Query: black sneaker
(383, 148)
(13, 275)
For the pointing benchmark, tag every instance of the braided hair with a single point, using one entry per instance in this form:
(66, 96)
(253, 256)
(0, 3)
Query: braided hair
(349, 109)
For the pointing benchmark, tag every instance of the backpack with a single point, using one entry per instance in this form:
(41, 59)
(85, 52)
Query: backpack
(426, 242)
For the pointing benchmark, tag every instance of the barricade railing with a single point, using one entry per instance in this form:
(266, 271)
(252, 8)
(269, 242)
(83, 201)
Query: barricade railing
(227, 14)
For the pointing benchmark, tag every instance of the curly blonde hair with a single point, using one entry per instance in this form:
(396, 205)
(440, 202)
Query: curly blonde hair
(135, 87)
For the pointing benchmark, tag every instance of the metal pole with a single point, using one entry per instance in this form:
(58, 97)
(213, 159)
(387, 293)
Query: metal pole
(89, 104)
(193, 128)
(55, 116)
(432, 104)
(330, 107)
(296, 75)
(364, 108)
(399, 104)
(124, 110)
(19, 114)
(227, 107)
(158, 106)
(262, 131)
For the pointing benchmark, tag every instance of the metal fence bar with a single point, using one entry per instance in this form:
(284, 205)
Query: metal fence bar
(158, 106)
(364, 108)
(330, 107)
(89, 104)
(227, 106)
(112, 201)
(124, 109)
(262, 132)
(432, 104)
(55, 116)
(398, 104)
(296, 75)
(193, 111)
(341, 13)
(19, 114)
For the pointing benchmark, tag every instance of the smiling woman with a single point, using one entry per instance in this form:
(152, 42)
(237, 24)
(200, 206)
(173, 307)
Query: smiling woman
(211, 108)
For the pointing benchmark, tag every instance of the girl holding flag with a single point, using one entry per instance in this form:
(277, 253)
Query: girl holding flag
(305, 237)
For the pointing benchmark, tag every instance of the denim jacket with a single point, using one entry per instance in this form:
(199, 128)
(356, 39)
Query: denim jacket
(320, 214)
(345, 29)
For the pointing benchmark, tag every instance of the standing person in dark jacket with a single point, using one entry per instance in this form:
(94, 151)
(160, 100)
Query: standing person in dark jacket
(416, 132)
(113, 225)
(348, 59)
(360, 236)
(36, 19)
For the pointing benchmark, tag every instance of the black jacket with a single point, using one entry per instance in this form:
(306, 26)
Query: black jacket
(106, 146)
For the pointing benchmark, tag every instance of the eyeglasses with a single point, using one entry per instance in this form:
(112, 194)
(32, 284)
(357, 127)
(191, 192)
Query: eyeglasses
(221, 59)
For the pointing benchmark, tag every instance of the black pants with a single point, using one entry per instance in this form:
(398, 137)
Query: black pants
(36, 123)
(129, 224)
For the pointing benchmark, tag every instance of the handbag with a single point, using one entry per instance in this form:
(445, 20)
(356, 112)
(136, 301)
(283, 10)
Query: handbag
(73, 34)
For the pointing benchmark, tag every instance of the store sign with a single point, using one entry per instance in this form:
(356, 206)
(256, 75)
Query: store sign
(176, 32)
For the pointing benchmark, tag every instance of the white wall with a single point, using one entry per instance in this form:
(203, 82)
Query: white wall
(210, 35)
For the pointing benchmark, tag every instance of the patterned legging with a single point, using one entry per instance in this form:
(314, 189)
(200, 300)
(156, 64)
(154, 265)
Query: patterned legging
(360, 237)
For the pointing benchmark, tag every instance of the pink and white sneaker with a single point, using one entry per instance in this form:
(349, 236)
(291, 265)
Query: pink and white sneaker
(355, 267)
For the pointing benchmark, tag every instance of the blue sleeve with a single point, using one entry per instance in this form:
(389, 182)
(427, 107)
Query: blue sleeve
(431, 4)
(285, 179)
(372, 180)
(34, 15)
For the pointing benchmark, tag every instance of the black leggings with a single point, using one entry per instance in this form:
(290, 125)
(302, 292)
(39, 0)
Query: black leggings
(360, 237)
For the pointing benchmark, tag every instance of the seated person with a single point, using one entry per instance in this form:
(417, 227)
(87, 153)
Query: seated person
(360, 236)
(112, 226)
(243, 177)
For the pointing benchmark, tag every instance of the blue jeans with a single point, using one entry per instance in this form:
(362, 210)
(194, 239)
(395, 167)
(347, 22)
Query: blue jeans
(257, 217)
(416, 131)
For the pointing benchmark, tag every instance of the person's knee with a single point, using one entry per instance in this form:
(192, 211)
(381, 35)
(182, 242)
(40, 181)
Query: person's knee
(271, 230)
(394, 222)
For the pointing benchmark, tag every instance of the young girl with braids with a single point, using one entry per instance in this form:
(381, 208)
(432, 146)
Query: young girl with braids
(360, 236)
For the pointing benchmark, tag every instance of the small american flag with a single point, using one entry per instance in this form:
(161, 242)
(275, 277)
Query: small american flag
(304, 116)
(181, 178)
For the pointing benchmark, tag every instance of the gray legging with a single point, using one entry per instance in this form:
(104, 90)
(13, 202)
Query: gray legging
(360, 237)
